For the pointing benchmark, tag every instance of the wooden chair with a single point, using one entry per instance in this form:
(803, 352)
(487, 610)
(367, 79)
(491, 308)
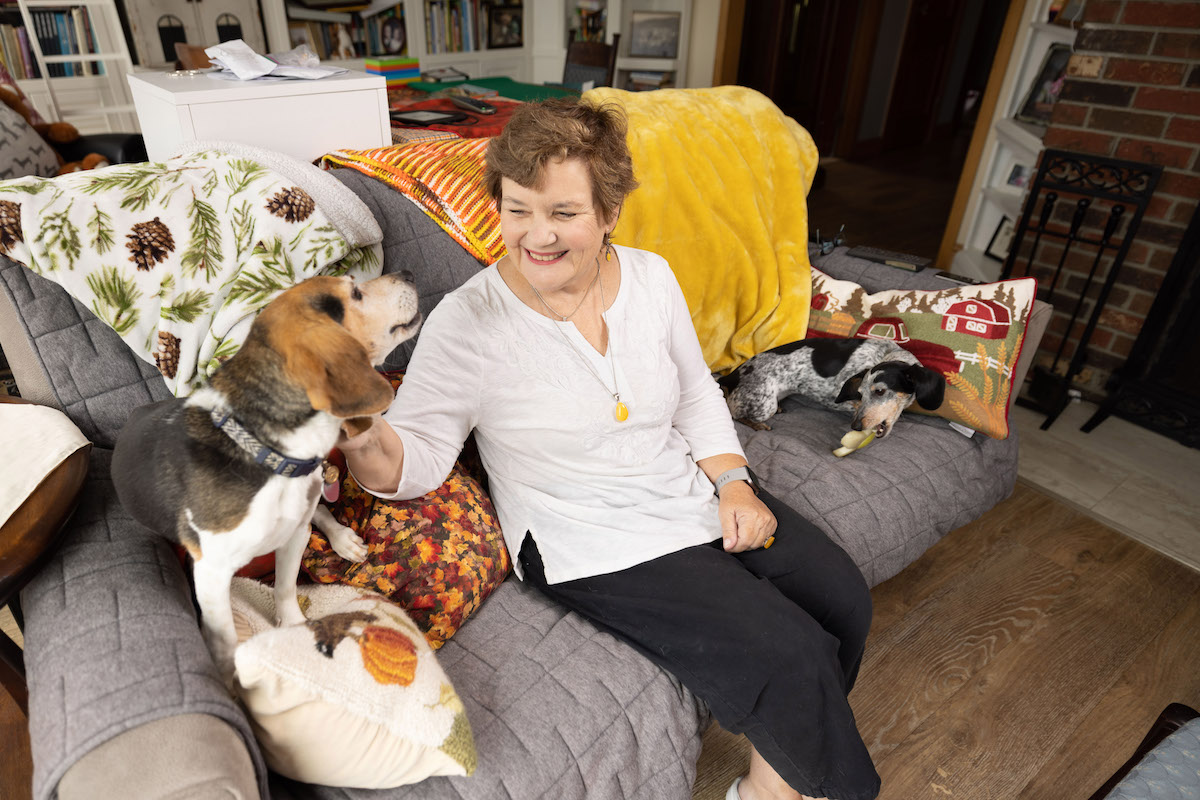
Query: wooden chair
(591, 61)
(27, 540)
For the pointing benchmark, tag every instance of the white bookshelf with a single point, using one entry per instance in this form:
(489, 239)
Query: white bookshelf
(93, 103)
(1008, 142)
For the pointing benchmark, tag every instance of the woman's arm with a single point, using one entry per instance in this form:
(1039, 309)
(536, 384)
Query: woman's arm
(746, 522)
(375, 457)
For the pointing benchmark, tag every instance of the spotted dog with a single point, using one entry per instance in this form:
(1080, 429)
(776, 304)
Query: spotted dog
(234, 471)
(875, 379)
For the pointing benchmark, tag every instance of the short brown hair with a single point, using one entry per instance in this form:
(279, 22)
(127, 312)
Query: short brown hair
(559, 128)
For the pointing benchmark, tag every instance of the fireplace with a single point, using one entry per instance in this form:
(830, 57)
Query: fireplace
(1159, 386)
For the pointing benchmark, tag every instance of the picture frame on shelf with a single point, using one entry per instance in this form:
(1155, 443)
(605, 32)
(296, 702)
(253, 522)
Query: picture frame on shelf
(393, 34)
(1019, 176)
(1042, 94)
(654, 34)
(506, 27)
(1001, 242)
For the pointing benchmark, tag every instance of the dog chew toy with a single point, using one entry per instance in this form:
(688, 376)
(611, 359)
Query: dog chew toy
(854, 440)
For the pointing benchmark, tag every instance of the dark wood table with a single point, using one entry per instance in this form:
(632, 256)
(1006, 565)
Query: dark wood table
(27, 539)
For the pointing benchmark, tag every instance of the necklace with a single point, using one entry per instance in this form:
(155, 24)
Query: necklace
(578, 305)
(621, 412)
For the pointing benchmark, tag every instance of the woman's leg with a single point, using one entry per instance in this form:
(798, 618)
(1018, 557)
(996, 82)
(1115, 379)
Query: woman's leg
(763, 664)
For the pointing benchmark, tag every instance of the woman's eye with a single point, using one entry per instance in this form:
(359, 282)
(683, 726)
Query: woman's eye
(566, 215)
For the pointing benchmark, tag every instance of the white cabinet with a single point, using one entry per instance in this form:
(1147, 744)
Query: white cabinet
(304, 119)
(989, 193)
(157, 24)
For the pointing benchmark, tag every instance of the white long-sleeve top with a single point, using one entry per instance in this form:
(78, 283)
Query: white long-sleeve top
(597, 495)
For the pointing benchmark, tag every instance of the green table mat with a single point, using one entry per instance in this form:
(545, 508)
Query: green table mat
(506, 87)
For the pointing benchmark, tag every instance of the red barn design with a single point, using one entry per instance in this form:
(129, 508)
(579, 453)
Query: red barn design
(820, 301)
(985, 319)
(890, 328)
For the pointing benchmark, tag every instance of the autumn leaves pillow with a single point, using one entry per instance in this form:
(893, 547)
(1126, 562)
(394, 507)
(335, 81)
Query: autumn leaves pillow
(971, 334)
(353, 697)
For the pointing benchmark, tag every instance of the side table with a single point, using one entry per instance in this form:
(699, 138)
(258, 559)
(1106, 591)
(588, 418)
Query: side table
(27, 539)
(304, 119)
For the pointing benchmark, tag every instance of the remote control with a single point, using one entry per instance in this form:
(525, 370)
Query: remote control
(950, 276)
(891, 258)
(473, 104)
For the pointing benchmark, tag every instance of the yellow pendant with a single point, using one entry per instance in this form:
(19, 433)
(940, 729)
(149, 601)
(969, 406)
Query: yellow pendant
(622, 412)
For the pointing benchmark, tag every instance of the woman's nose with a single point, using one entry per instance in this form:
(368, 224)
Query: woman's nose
(542, 232)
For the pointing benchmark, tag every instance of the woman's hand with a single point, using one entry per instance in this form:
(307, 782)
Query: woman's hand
(375, 456)
(746, 523)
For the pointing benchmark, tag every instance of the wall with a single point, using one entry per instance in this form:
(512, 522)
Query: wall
(1144, 106)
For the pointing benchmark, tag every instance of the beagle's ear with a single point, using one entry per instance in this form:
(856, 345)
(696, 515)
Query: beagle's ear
(852, 388)
(336, 373)
(928, 385)
(356, 425)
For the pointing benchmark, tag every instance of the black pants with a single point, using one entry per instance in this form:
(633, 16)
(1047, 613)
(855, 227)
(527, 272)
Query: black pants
(770, 639)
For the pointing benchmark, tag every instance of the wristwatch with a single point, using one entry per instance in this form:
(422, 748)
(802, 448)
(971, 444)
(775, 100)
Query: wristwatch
(736, 474)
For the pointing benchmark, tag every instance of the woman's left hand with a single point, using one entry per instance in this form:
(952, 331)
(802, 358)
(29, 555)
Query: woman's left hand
(746, 523)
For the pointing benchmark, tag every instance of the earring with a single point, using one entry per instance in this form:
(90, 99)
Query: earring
(607, 246)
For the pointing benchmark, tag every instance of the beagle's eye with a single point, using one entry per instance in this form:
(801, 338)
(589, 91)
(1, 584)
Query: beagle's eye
(356, 293)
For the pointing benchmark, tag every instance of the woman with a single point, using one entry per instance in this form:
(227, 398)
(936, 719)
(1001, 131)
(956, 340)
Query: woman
(576, 364)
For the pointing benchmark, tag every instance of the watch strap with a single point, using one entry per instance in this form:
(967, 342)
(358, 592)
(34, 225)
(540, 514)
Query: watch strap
(735, 474)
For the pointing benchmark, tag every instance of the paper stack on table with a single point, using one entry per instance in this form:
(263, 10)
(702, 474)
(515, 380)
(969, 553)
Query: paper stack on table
(236, 60)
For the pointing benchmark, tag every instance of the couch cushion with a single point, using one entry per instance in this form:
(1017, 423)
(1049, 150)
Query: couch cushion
(620, 729)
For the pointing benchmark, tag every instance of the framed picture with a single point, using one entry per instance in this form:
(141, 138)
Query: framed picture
(506, 27)
(1020, 175)
(393, 36)
(1001, 242)
(1042, 94)
(654, 34)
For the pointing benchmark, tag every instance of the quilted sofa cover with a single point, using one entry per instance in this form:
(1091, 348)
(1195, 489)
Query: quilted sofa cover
(559, 709)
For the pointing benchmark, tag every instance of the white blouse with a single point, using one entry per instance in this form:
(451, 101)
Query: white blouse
(597, 495)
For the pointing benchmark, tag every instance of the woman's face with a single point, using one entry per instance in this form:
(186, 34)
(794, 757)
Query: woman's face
(554, 233)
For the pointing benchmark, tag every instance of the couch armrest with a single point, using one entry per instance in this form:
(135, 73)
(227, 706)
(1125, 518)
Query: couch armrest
(189, 755)
(112, 643)
(118, 148)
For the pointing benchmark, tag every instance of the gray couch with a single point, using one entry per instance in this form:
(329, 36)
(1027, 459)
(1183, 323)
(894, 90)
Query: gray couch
(125, 702)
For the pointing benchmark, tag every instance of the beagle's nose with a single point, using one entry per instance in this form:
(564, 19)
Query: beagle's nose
(406, 276)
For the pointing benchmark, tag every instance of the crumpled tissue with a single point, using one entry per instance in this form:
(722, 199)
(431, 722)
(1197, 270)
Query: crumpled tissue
(236, 60)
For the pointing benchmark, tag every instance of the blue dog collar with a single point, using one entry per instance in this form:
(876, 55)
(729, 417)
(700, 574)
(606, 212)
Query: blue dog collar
(269, 457)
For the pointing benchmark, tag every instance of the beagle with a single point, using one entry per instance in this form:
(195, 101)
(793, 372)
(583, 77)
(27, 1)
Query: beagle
(234, 471)
(875, 379)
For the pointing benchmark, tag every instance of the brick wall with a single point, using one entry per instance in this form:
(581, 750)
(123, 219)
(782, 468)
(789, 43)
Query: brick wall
(1144, 106)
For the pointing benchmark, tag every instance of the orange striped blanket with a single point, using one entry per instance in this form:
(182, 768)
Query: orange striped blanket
(445, 179)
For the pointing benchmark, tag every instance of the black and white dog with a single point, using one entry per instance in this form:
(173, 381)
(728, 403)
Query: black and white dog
(875, 379)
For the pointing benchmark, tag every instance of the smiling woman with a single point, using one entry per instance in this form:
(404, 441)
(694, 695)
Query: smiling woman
(621, 487)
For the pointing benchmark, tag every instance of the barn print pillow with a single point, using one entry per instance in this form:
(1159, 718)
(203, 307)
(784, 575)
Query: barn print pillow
(971, 334)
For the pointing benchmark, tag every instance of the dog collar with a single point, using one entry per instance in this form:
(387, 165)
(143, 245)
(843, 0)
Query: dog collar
(269, 457)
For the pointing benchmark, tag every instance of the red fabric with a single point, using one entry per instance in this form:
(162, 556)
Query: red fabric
(488, 125)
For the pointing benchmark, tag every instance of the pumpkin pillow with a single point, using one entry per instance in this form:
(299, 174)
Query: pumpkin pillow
(352, 697)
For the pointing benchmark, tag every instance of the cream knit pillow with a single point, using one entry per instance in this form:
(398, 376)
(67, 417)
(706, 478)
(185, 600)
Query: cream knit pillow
(354, 697)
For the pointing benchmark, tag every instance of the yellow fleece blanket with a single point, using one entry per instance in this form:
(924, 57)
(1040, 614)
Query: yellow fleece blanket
(724, 177)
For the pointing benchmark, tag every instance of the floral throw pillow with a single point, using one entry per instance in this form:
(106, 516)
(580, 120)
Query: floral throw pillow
(971, 334)
(438, 556)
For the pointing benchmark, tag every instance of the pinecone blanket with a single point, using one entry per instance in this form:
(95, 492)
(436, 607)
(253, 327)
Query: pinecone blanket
(178, 256)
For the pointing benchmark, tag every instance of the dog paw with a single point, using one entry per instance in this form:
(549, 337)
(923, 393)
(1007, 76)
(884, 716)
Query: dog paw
(346, 543)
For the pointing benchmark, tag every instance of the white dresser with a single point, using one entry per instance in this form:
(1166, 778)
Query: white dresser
(301, 118)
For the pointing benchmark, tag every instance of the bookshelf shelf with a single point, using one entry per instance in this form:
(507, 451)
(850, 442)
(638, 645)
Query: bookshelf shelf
(73, 64)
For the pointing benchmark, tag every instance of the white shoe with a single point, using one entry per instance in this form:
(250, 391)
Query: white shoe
(732, 794)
